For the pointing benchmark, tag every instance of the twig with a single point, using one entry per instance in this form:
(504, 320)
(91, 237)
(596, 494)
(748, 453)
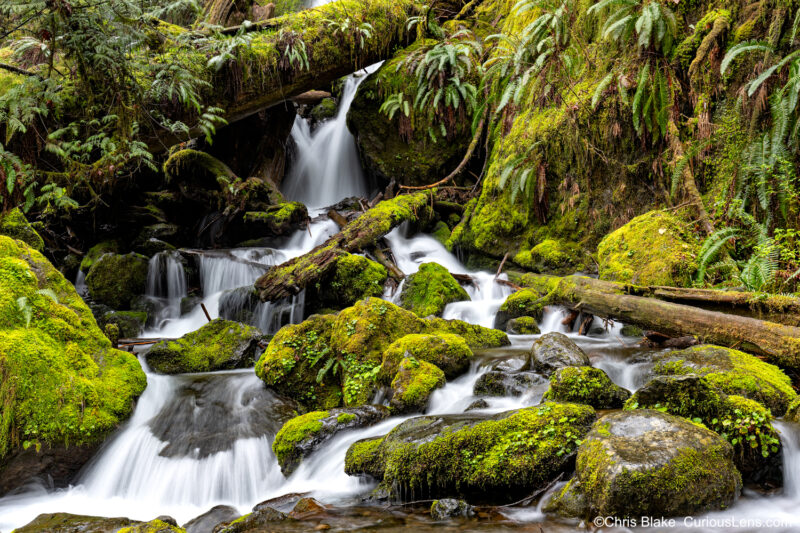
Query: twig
(500, 268)
(17, 70)
(205, 311)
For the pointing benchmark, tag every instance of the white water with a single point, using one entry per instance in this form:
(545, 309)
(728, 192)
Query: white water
(327, 168)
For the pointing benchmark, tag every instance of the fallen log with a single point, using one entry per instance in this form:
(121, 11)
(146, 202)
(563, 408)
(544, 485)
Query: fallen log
(605, 299)
(296, 274)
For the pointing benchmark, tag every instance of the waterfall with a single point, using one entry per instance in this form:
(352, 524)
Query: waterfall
(166, 285)
(327, 167)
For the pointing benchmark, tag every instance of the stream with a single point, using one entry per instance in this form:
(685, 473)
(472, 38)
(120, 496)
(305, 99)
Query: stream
(200, 440)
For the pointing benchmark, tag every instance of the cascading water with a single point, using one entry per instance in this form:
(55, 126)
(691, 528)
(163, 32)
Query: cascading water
(166, 285)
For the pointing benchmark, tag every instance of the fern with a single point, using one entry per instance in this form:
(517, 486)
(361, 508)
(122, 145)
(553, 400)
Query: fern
(711, 247)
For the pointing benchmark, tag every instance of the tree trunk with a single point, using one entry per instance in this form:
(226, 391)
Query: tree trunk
(689, 184)
(295, 275)
(605, 299)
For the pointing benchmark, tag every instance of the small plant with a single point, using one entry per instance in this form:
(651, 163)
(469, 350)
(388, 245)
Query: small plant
(294, 55)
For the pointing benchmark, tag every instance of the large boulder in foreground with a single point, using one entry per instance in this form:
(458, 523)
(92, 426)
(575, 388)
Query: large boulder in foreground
(70, 523)
(584, 384)
(428, 291)
(649, 463)
(115, 280)
(72, 388)
(219, 345)
(495, 458)
(656, 248)
(552, 351)
(302, 435)
(731, 372)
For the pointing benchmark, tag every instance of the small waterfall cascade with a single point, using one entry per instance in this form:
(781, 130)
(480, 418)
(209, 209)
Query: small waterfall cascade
(327, 168)
(166, 284)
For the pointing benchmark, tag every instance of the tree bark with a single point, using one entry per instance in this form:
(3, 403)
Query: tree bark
(295, 275)
(605, 299)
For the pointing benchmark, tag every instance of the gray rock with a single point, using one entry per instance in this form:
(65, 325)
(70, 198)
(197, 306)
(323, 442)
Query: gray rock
(450, 508)
(552, 351)
(508, 383)
(206, 522)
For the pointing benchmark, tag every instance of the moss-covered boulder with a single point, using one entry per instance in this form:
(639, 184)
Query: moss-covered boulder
(525, 302)
(71, 523)
(524, 325)
(552, 256)
(115, 280)
(353, 278)
(428, 291)
(652, 249)
(292, 362)
(14, 224)
(793, 412)
(324, 110)
(732, 372)
(304, 434)
(448, 352)
(413, 385)
(475, 336)
(555, 350)
(649, 463)
(262, 517)
(64, 388)
(745, 423)
(129, 323)
(499, 383)
(448, 508)
(96, 252)
(275, 220)
(154, 526)
(495, 458)
(219, 345)
(584, 384)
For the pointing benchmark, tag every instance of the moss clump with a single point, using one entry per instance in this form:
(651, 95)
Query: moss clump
(552, 255)
(441, 232)
(115, 280)
(732, 372)
(354, 278)
(413, 385)
(62, 383)
(524, 325)
(219, 345)
(277, 219)
(428, 291)
(496, 459)
(651, 249)
(364, 458)
(324, 110)
(294, 431)
(448, 352)
(13, 224)
(96, 252)
(793, 412)
(588, 385)
(525, 302)
(154, 526)
(475, 336)
(129, 323)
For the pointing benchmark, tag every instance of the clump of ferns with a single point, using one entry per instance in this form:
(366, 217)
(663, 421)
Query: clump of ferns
(293, 51)
(352, 33)
(445, 92)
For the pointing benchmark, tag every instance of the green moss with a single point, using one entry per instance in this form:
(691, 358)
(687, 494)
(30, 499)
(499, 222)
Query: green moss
(96, 252)
(345, 418)
(524, 325)
(129, 323)
(552, 255)
(354, 278)
(793, 412)
(652, 249)
(278, 219)
(441, 232)
(413, 385)
(732, 372)
(587, 385)
(364, 457)
(428, 291)
(154, 526)
(13, 224)
(296, 430)
(62, 382)
(115, 280)
(446, 351)
(326, 109)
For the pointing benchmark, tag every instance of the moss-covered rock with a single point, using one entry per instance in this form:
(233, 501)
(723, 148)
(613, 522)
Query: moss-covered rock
(584, 384)
(63, 385)
(115, 280)
(552, 256)
(219, 345)
(413, 385)
(154, 526)
(428, 291)
(448, 508)
(280, 219)
(555, 350)
(261, 518)
(129, 323)
(499, 383)
(793, 412)
(525, 302)
(649, 463)
(292, 362)
(745, 423)
(14, 224)
(441, 232)
(475, 336)
(302, 435)
(449, 352)
(492, 458)
(732, 372)
(71, 523)
(353, 278)
(324, 110)
(652, 249)
(524, 325)
(96, 252)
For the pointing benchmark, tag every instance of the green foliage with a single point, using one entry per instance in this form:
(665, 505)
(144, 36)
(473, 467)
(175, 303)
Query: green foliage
(652, 23)
(19, 188)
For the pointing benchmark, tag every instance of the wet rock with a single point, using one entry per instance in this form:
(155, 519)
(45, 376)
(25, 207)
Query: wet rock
(206, 522)
(514, 362)
(324, 110)
(474, 456)
(569, 502)
(447, 508)
(115, 280)
(188, 304)
(552, 351)
(239, 305)
(523, 303)
(352, 279)
(306, 507)
(285, 501)
(274, 220)
(507, 383)
(148, 306)
(448, 352)
(167, 520)
(524, 325)
(413, 385)
(255, 521)
(631, 331)
(428, 291)
(152, 247)
(302, 435)
(96, 252)
(648, 463)
(793, 412)
(70, 523)
(129, 323)
(731, 372)
(588, 385)
(477, 404)
(219, 345)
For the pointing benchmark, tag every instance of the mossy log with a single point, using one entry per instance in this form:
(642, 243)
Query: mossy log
(778, 342)
(295, 275)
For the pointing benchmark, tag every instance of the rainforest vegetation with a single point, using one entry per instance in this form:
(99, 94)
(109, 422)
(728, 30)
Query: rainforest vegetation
(397, 262)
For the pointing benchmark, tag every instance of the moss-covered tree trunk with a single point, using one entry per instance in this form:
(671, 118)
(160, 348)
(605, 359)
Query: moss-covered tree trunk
(295, 275)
